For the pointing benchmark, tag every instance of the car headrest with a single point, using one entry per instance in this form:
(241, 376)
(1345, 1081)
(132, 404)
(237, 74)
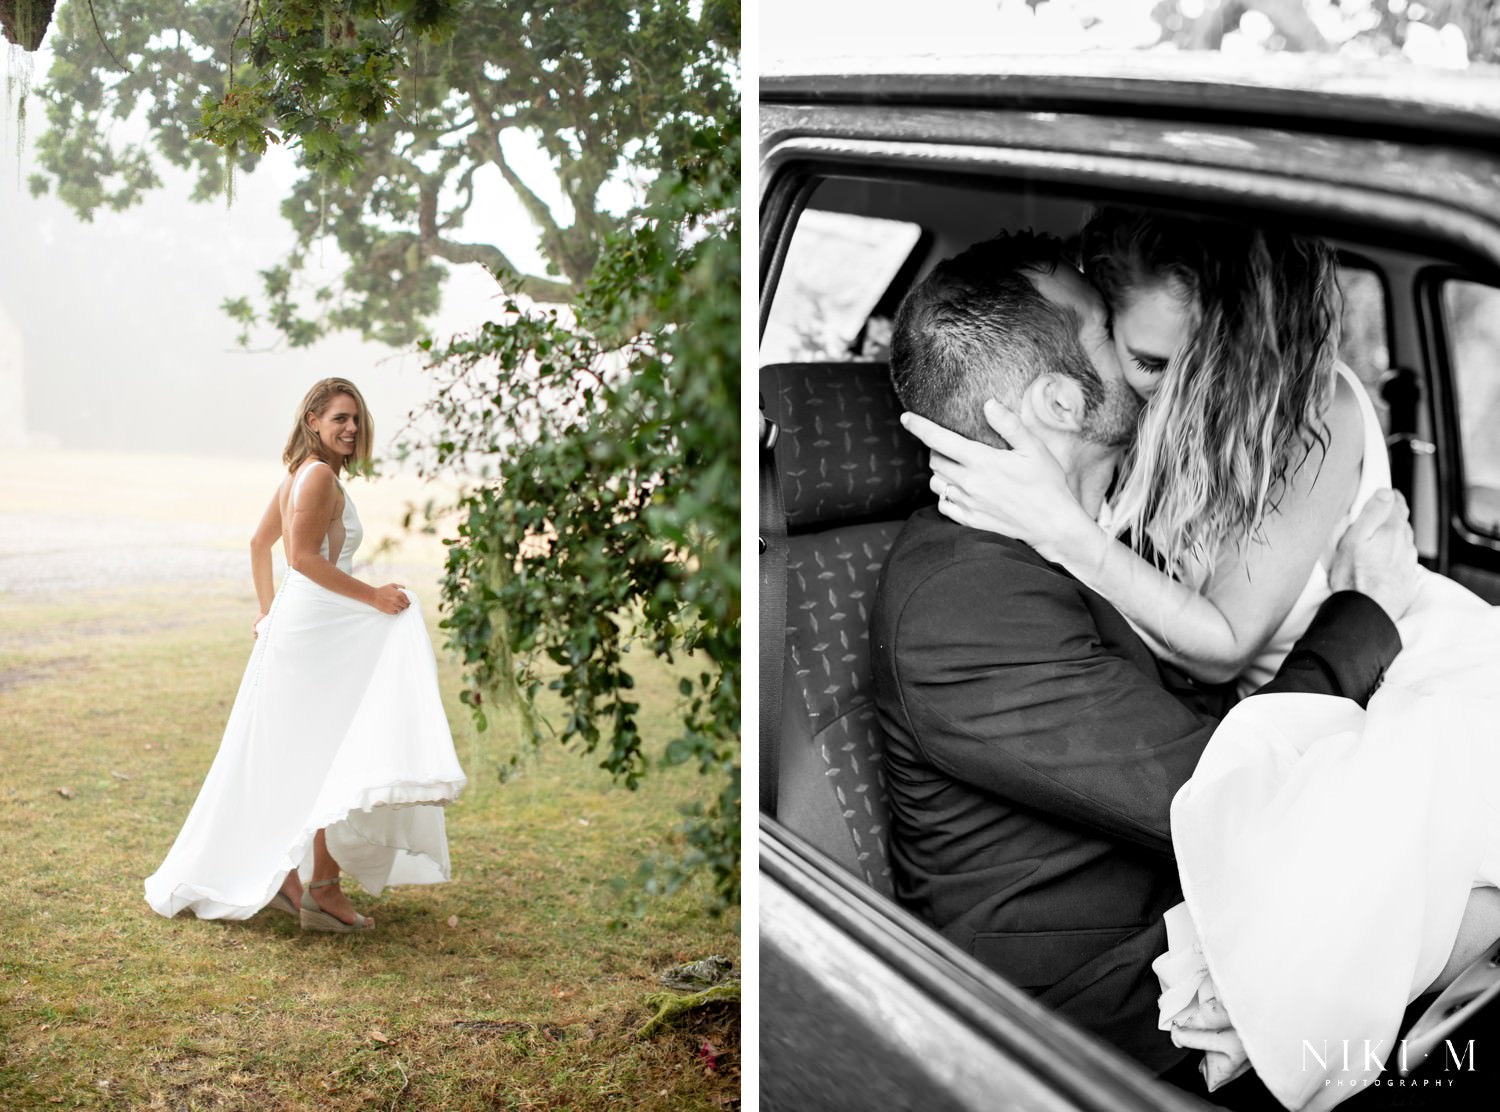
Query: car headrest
(841, 451)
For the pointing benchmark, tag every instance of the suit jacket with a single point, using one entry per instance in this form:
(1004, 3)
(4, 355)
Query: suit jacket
(1035, 745)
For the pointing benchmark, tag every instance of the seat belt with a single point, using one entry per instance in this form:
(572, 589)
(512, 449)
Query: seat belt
(772, 609)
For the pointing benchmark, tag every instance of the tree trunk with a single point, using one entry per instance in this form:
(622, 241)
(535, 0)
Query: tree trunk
(25, 22)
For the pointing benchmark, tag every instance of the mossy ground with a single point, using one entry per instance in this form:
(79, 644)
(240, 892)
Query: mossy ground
(513, 987)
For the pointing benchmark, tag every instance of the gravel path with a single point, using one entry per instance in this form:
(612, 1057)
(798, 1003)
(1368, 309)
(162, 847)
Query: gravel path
(44, 555)
(48, 555)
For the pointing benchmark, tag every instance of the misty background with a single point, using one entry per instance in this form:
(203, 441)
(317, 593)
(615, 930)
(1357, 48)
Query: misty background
(111, 335)
(139, 443)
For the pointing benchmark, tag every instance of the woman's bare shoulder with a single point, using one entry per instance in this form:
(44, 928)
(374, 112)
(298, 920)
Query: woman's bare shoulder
(1337, 473)
(1346, 421)
(313, 480)
(314, 471)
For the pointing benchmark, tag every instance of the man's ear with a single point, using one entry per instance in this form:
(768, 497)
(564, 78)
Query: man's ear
(1057, 402)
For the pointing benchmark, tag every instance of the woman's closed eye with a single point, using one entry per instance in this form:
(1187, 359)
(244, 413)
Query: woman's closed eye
(1148, 364)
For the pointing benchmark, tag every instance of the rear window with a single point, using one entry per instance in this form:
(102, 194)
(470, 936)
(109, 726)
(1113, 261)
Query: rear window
(1473, 316)
(836, 269)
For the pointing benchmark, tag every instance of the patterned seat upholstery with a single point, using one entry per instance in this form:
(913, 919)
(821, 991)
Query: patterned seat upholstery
(850, 476)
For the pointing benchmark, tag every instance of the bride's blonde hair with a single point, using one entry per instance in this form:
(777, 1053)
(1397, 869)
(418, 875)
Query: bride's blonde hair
(1241, 407)
(304, 442)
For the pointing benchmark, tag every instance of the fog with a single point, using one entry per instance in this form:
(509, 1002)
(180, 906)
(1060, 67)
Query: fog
(123, 346)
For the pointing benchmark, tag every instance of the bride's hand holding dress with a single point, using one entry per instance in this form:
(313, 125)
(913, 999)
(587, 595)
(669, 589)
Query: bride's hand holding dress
(390, 599)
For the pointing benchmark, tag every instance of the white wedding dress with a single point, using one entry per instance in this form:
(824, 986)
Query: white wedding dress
(338, 724)
(1327, 852)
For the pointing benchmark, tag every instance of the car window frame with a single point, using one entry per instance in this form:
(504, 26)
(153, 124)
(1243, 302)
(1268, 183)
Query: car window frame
(1462, 543)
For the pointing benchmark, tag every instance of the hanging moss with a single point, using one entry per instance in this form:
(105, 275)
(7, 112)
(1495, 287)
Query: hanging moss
(25, 22)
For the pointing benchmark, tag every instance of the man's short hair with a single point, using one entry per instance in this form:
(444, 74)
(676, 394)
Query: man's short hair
(977, 328)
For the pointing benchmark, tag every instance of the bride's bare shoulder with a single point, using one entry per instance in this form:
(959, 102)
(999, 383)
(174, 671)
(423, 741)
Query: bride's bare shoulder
(1343, 451)
(313, 475)
(1345, 422)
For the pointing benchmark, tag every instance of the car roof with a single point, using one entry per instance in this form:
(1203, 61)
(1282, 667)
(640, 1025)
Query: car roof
(1359, 95)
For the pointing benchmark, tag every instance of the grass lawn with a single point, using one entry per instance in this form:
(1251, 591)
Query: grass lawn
(508, 988)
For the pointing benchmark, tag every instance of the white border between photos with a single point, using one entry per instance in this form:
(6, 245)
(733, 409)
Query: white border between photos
(750, 556)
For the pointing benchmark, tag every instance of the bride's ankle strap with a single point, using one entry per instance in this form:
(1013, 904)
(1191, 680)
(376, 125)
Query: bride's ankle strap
(324, 883)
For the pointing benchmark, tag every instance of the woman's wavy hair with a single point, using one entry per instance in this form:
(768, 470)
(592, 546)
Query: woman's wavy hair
(303, 441)
(1242, 406)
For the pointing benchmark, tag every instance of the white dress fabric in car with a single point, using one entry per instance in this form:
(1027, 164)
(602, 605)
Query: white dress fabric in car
(1327, 853)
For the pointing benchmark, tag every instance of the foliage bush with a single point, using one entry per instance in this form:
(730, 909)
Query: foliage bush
(610, 527)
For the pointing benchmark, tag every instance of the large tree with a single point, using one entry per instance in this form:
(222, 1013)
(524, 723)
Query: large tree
(399, 110)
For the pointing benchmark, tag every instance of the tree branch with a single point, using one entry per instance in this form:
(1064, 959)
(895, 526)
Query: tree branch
(536, 208)
(428, 142)
(100, 32)
(466, 187)
(432, 243)
(532, 285)
(427, 200)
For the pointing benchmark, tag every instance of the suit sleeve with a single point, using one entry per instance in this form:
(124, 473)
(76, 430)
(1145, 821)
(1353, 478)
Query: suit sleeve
(1013, 692)
(1345, 651)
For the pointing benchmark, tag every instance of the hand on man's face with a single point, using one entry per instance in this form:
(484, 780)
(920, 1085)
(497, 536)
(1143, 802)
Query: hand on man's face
(1377, 555)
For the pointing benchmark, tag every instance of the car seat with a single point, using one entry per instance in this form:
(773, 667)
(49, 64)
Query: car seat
(848, 475)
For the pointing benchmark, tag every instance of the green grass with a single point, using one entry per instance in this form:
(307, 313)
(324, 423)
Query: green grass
(533, 1000)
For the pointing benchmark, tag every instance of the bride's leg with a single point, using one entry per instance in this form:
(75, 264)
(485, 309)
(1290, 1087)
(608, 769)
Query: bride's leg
(292, 887)
(331, 899)
(1476, 933)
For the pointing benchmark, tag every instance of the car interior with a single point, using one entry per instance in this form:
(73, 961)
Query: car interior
(839, 475)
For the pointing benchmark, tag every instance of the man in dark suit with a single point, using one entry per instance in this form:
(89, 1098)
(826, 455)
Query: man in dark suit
(1035, 743)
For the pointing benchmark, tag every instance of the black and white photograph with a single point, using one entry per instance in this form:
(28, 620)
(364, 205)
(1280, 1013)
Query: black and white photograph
(1129, 511)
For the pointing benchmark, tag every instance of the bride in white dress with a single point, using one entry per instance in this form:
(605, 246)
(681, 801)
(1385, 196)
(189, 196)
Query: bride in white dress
(1336, 862)
(337, 752)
